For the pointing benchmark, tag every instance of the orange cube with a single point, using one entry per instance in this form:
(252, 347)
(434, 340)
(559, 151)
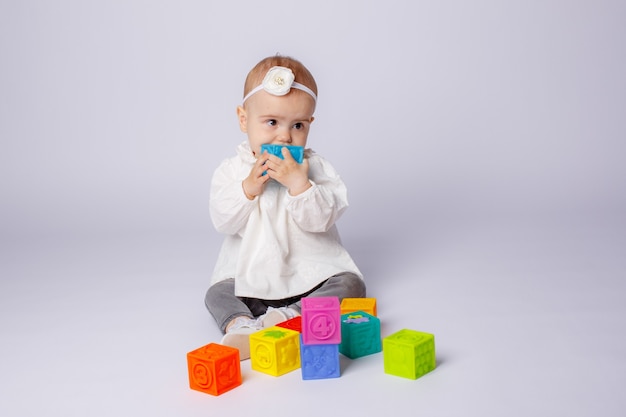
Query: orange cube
(214, 369)
(350, 305)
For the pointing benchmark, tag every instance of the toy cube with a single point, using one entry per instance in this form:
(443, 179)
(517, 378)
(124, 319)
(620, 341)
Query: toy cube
(320, 321)
(292, 324)
(275, 350)
(409, 353)
(360, 334)
(297, 152)
(214, 369)
(348, 305)
(319, 361)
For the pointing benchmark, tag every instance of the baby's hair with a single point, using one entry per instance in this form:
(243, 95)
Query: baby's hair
(256, 74)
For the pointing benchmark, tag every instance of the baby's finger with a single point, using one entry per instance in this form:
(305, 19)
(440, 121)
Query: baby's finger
(287, 154)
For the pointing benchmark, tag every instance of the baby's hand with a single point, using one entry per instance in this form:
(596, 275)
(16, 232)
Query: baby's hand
(254, 183)
(289, 172)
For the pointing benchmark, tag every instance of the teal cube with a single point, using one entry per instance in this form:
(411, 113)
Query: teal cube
(409, 353)
(360, 334)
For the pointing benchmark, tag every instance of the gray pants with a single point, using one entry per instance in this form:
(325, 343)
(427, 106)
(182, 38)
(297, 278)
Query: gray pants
(224, 305)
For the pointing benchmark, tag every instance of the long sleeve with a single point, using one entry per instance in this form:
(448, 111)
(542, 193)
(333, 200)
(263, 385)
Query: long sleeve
(229, 206)
(318, 208)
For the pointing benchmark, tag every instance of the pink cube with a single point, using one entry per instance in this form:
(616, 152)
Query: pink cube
(321, 321)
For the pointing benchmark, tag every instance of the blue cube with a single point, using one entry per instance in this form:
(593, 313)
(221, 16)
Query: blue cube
(297, 152)
(319, 361)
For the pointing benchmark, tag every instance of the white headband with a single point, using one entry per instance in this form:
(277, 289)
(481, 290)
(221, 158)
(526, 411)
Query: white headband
(278, 81)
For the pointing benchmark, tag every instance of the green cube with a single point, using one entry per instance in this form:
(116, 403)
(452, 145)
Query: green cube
(409, 353)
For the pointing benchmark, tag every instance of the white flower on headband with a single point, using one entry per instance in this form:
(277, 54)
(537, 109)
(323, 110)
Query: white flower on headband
(278, 81)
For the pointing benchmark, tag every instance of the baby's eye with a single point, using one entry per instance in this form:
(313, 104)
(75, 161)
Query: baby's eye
(298, 126)
(272, 122)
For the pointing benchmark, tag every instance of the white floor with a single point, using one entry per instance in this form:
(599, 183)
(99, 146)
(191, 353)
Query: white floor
(482, 144)
(528, 319)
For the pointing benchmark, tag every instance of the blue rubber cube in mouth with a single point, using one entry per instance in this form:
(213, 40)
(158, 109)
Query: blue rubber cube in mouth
(297, 152)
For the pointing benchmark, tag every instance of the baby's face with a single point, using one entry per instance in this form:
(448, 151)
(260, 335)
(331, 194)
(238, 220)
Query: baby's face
(281, 120)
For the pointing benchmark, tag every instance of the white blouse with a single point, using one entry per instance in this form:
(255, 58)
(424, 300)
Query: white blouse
(277, 245)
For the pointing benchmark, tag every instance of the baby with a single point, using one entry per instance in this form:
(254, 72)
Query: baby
(278, 215)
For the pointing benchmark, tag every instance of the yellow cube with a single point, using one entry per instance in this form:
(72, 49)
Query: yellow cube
(275, 350)
(350, 305)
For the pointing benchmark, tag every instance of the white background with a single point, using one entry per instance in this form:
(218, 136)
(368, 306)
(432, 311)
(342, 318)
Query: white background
(482, 144)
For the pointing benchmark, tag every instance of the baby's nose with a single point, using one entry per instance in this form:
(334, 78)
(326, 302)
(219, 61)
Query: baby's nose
(284, 136)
